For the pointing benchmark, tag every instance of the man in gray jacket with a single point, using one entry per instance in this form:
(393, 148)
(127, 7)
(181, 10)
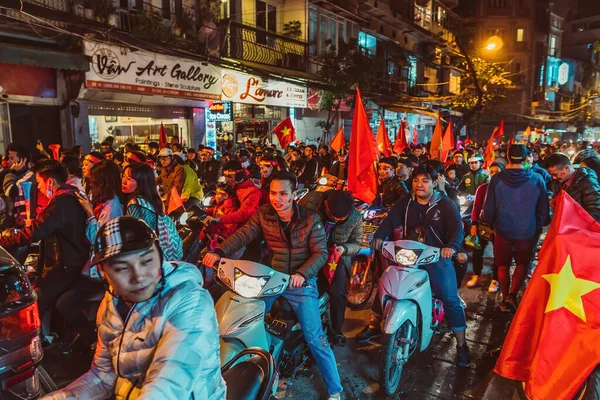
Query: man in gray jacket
(157, 328)
(297, 246)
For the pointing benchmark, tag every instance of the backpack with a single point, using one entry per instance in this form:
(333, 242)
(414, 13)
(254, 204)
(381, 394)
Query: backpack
(170, 241)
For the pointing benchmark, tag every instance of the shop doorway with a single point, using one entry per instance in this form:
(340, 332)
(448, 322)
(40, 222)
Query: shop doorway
(30, 123)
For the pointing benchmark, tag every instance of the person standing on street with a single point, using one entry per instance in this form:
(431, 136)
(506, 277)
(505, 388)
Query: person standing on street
(297, 242)
(311, 168)
(581, 184)
(517, 208)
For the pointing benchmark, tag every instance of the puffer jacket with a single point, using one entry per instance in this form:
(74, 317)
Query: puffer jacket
(584, 189)
(305, 252)
(249, 197)
(390, 191)
(171, 177)
(166, 348)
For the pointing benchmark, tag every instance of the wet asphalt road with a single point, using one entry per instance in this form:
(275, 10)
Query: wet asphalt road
(428, 375)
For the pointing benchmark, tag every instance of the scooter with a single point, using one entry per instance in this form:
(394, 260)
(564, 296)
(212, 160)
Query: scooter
(411, 314)
(242, 318)
(366, 263)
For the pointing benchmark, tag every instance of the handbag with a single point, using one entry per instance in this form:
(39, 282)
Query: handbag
(484, 231)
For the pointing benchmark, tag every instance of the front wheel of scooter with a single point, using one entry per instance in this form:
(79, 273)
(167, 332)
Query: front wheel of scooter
(360, 284)
(396, 350)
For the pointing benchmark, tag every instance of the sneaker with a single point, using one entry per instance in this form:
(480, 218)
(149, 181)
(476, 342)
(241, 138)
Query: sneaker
(463, 356)
(336, 396)
(511, 300)
(504, 306)
(473, 281)
(494, 286)
(368, 333)
(463, 304)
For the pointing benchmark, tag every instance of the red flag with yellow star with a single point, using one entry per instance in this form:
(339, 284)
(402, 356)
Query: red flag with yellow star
(553, 341)
(285, 132)
(332, 263)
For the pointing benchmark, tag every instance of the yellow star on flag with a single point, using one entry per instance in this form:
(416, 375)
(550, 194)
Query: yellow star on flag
(566, 290)
(333, 266)
(286, 131)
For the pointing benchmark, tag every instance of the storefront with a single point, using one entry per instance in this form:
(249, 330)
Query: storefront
(219, 124)
(130, 94)
(259, 104)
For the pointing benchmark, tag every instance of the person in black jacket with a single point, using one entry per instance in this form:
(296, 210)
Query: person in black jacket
(311, 168)
(339, 168)
(431, 217)
(63, 220)
(324, 158)
(209, 169)
(390, 188)
(581, 184)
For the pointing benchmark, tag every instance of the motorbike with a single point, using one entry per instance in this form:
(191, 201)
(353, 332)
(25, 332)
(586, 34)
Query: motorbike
(367, 263)
(411, 313)
(242, 318)
(254, 378)
(21, 375)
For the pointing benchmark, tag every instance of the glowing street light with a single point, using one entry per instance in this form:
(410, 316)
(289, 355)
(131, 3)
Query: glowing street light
(494, 43)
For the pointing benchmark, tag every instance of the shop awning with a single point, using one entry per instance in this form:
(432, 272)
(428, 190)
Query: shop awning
(43, 58)
(401, 108)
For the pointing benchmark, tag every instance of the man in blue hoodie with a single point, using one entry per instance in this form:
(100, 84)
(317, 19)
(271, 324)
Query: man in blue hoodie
(517, 208)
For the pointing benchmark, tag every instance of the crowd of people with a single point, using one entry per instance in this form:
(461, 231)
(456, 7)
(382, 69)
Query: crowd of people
(102, 221)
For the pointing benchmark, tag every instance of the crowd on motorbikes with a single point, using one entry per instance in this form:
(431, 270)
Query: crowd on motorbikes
(105, 222)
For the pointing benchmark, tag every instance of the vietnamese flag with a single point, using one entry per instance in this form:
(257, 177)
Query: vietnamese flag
(383, 140)
(362, 176)
(415, 138)
(285, 132)
(447, 142)
(400, 143)
(527, 132)
(162, 138)
(338, 141)
(553, 341)
(436, 140)
(175, 201)
(489, 153)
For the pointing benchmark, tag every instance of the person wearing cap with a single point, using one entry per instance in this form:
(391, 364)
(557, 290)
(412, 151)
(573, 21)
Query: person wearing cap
(61, 225)
(406, 164)
(172, 174)
(390, 188)
(471, 181)
(209, 169)
(297, 245)
(157, 328)
(516, 207)
(339, 168)
(581, 184)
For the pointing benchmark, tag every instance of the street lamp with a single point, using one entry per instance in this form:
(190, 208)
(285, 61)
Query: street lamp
(494, 43)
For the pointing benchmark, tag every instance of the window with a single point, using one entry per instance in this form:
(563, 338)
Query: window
(312, 32)
(326, 30)
(368, 43)
(520, 35)
(552, 50)
(431, 79)
(266, 16)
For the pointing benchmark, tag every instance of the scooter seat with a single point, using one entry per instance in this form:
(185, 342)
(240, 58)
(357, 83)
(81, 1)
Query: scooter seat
(244, 381)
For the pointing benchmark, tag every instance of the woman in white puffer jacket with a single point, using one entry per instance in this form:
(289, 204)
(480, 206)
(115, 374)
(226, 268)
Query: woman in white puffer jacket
(157, 330)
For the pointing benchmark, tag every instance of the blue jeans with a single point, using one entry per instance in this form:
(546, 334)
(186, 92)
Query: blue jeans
(305, 303)
(443, 284)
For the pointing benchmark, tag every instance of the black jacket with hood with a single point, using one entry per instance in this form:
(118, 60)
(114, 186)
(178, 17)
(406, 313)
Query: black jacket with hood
(442, 223)
(585, 190)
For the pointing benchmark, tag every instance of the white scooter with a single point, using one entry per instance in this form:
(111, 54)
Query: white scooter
(242, 320)
(410, 312)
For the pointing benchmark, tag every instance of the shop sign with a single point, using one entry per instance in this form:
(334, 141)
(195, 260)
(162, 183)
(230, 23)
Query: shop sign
(563, 73)
(120, 69)
(251, 89)
(220, 111)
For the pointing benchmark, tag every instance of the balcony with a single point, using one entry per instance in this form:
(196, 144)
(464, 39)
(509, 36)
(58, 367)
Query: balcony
(257, 45)
(57, 5)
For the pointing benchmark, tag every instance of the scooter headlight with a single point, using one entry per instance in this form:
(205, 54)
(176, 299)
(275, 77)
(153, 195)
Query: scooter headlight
(428, 260)
(406, 257)
(274, 291)
(248, 286)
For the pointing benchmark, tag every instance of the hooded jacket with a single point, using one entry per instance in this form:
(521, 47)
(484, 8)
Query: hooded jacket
(442, 223)
(304, 252)
(249, 197)
(64, 221)
(585, 190)
(167, 347)
(516, 204)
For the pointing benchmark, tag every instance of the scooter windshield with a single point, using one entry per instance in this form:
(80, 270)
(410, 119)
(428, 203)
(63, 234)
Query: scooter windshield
(410, 253)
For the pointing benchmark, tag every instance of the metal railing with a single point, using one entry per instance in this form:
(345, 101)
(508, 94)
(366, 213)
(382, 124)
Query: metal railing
(257, 45)
(60, 5)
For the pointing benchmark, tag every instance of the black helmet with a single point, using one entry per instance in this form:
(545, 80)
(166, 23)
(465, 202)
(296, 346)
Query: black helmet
(342, 152)
(122, 235)
(242, 153)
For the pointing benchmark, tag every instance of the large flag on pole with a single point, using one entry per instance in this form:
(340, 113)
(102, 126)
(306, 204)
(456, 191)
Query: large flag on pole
(527, 132)
(362, 176)
(383, 140)
(447, 142)
(436, 139)
(400, 143)
(553, 341)
(489, 154)
(162, 138)
(285, 132)
(338, 141)
(415, 138)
